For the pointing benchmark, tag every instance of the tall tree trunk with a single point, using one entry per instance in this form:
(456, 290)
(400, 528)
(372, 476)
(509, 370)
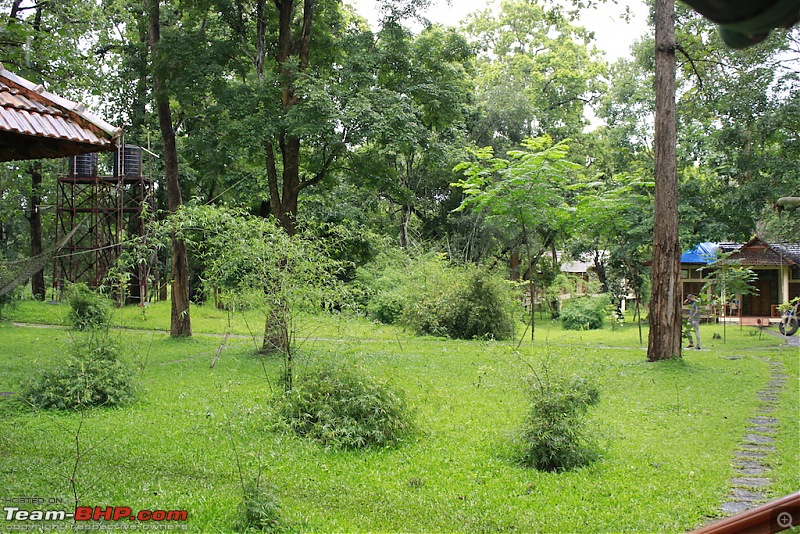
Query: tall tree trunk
(35, 220)
(276, 330)
(405, 221)
(285, 207)
(514, 265)
(600, 269)
(294, 51)
(180, 323)
(665, 303)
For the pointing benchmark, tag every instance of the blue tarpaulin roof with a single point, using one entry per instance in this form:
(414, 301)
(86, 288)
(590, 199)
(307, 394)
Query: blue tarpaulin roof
(703, 253)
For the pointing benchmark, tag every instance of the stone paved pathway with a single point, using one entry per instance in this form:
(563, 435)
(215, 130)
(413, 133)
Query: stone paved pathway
(792, 341)
(751, 475)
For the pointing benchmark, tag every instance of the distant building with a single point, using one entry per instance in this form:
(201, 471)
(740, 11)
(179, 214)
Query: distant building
(776, 266)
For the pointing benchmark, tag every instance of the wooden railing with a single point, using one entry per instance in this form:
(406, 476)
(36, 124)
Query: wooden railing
(768, 518)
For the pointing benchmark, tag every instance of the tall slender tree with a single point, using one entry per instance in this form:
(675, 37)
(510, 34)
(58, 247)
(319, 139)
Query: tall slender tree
(180, 321)
(664, 341)
(525, 195)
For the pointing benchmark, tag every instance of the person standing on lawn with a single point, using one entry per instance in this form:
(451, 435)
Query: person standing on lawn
(694, 320)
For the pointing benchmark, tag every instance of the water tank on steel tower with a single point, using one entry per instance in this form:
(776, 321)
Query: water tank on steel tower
(83, 165)
(129, 161)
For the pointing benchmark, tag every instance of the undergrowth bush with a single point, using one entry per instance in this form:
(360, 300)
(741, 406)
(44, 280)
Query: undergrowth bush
(343, 407)
(436, 297)
(461, 302)
(8, 301)
(555, 436)
(88, 308)
(260, 508)
(93, 375)
(384, 284)
(387, 307)
(584, 313)
(483, 308)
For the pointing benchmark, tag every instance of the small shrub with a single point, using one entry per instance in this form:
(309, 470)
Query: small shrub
(483, 309)
(8, 301)
(88, 309)
(433, 296)
(554, 436)
(463, 303)
(343, 407)
(387, 307)
(92, 376)
(431, 287)
(260, 508)
(584, 313)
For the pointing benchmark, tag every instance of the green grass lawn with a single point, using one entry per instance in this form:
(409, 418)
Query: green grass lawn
(668, 430)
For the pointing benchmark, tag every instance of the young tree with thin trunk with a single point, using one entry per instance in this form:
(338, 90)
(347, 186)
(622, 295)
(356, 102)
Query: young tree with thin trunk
(524, 195)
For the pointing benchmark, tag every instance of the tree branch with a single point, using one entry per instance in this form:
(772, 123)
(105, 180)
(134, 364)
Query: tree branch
(691, 62)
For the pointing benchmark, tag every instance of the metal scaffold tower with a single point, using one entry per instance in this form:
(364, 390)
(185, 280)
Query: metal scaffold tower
(107, 210)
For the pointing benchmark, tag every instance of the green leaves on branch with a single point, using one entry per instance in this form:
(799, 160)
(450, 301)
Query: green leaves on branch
(526, 190)
(250, 262)
(535, 73)
(526, 196)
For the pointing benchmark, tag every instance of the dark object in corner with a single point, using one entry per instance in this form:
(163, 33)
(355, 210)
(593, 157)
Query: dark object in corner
(743, 23)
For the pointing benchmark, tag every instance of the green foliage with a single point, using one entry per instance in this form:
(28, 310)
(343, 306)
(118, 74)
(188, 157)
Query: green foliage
(526, 195)
(387, 307)
(431, 293)
(727, 279)
(554, 435)
(93, 376)
(88, 309)
(383, 283)
(584, 313)
(8, 301)
(460, 302)
(260, 508)
(534, 73)
(483, 308)
(252, 263)
(343, 407)
(524, 192)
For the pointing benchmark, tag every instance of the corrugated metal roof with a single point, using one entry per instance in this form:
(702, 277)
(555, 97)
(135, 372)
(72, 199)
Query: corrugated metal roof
(38, 124)
(757, 252)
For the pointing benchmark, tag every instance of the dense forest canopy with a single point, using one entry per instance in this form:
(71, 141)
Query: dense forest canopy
(301, 112)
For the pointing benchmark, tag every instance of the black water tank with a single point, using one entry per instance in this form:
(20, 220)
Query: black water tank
(131, 161)
(83, 165)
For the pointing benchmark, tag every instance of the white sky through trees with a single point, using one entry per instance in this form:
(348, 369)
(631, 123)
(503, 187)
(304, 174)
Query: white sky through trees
(612, 33)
